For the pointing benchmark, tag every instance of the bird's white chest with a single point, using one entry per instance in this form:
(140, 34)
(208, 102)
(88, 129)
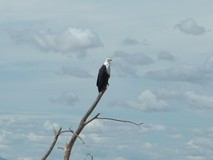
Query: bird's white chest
(107, 68)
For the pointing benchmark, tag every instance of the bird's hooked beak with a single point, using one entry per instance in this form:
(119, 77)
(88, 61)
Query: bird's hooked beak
(108, 60)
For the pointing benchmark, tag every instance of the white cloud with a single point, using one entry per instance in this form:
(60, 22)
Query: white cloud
(176, 136)
(71, 39)
(153, 127)
(189, 26)
(210, 129)
(167, 94)
(122, 147)
(147, 101)
(96, 125)
(200, 145)
(152, 101)
(187, 73)
(119, 158)
(4, 147)
(96, 138)
(130, 41)
(199, 101)
(126, 64)
(166, 56)
(192, 144)
(49, 126)
(132, 59)
(67, 98)
(209, 63)
(5, 136)
(25, 158)
(149, 145)
(75, 72)
(34, 137)
(7, 120)
(195, 158)
(205, 142)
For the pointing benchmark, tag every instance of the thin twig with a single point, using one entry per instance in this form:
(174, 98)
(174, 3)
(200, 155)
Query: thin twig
(70, 130)
(119, 120)
(61, 148)
(77, 136)
(89, 154)
(57, 133)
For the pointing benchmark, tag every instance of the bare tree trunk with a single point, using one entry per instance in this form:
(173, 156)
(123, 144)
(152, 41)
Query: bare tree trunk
(83, 123)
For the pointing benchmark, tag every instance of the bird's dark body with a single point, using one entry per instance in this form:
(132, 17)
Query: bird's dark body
(102, 79)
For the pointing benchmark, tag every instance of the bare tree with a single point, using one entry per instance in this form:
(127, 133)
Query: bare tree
(76, 134)
(82, 124)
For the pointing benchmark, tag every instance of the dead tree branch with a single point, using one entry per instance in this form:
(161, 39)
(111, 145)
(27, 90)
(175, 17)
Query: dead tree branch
(89, 155)
(119, 120)
(57, 133)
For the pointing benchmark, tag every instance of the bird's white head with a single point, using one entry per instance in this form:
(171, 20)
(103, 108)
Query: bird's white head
(108, 60)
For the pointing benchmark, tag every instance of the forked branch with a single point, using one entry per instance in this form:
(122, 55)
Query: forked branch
(57, 133)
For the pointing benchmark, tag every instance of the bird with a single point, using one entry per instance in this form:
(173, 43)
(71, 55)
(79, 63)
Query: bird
(103, 75)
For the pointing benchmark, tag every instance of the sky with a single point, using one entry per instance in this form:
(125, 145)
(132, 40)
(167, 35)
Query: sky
(161, 75)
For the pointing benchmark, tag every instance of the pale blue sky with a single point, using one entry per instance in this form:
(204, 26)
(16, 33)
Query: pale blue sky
(50, 53)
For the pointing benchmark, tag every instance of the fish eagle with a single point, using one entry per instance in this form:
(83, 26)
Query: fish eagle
(103, 75)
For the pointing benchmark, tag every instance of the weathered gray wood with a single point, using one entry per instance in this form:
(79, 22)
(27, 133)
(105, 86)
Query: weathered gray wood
(52, 145)
(83, 123)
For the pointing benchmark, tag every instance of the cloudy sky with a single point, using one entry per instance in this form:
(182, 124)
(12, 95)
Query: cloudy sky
(161, 75)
